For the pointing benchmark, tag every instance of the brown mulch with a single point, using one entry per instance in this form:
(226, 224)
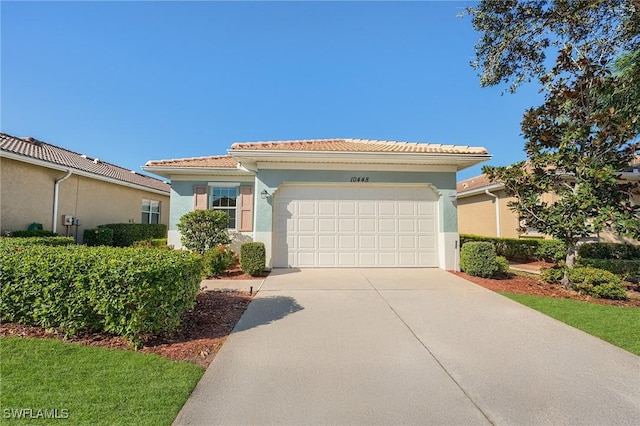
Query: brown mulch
(521, 284)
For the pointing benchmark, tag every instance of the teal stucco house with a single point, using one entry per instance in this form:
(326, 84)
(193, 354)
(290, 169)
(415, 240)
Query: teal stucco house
(330, 202)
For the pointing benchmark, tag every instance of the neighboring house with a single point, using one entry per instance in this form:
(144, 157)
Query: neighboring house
(55, 187)
(330, 202)
(483, 209)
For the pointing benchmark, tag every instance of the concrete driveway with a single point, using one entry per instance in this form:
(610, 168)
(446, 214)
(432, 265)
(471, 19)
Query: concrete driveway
(408, 346)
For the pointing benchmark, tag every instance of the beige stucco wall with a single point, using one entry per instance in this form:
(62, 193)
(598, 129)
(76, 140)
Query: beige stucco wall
(477, 216)
(26, 196)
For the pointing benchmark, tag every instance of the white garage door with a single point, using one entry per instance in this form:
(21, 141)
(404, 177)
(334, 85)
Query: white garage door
(355, 226)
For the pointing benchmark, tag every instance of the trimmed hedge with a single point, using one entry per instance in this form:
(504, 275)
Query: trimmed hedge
(127, 234)
(478, 258)
(627, 269)
(124, 291)
(35, 241)
(609, 251)
(31, 233)
(252, 258)
(523, 249)
(98, 237)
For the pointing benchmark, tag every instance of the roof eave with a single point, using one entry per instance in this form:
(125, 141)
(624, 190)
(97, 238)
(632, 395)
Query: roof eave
(168, 171)
(461, 160)
(481, 190)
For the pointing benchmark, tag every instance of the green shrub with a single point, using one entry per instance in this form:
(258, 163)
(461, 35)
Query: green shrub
(204, 229)
(127, 234)
(35, 241)
(609, 251)
(157, 243)
(522, 249)
(217, 260)
(502, 265)
(252, 258)
(624, 268)
(553, 275)
(98, 237)
(31, 233)
(124, 291)
(479, 259)
(597, 283)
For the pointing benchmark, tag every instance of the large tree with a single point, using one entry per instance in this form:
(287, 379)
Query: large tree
(586, 131)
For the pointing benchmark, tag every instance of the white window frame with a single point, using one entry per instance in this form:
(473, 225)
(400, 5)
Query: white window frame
(236, 208)
(150, 212)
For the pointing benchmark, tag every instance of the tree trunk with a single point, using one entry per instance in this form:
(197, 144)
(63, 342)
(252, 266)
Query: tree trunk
(569, 262)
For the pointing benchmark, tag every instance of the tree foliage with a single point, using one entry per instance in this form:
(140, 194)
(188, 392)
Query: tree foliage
(586, 131)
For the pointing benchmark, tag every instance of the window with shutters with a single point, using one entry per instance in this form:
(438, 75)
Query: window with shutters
(225, 199)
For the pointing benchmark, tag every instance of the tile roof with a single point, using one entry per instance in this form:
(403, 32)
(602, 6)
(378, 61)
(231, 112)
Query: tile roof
(219, 161)
(357, 145)
(35, 149)
(475, 182)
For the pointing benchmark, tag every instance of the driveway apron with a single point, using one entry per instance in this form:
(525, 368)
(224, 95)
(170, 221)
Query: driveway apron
(407, 346)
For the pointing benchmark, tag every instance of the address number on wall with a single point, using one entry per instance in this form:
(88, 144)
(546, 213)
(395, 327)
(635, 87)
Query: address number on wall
(360, 179)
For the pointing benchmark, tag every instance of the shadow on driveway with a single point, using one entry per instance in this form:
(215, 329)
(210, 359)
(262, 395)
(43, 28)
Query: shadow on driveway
(265, 310)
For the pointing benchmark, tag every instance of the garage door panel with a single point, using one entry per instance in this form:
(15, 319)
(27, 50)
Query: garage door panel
(346, 225)
(326, 225)
(350, 226)
(407, 242)
(387, 242)
(387, 225)
(327, 259)
(347, 242)
(367, 259)
(306, 259)
(406, 225)
(386, 208)
(326, 242)
(327, 208)
(347, 259)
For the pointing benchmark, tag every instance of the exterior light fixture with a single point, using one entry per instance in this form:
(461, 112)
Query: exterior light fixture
(264, 194)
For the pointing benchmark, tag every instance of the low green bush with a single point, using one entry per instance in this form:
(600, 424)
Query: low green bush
(597, 283)
(158, 243)
(252, 258)
(624, 268)
(217, 260)
(553, 275)
(127, 234)
(35, 241)
(98, 237)
(31, 233)
(124, 291)
(502, 265)
(522, 249)
(609, 251)
(478, 258)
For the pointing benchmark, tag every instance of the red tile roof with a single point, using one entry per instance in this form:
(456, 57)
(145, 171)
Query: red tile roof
(35, 149)
(219, 161)
(357, 145)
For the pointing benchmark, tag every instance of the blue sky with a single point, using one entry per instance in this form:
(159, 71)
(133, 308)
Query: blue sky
(130, 82)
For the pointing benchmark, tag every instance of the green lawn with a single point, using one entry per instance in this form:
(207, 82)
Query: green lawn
(91, 385)
(615, 324)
